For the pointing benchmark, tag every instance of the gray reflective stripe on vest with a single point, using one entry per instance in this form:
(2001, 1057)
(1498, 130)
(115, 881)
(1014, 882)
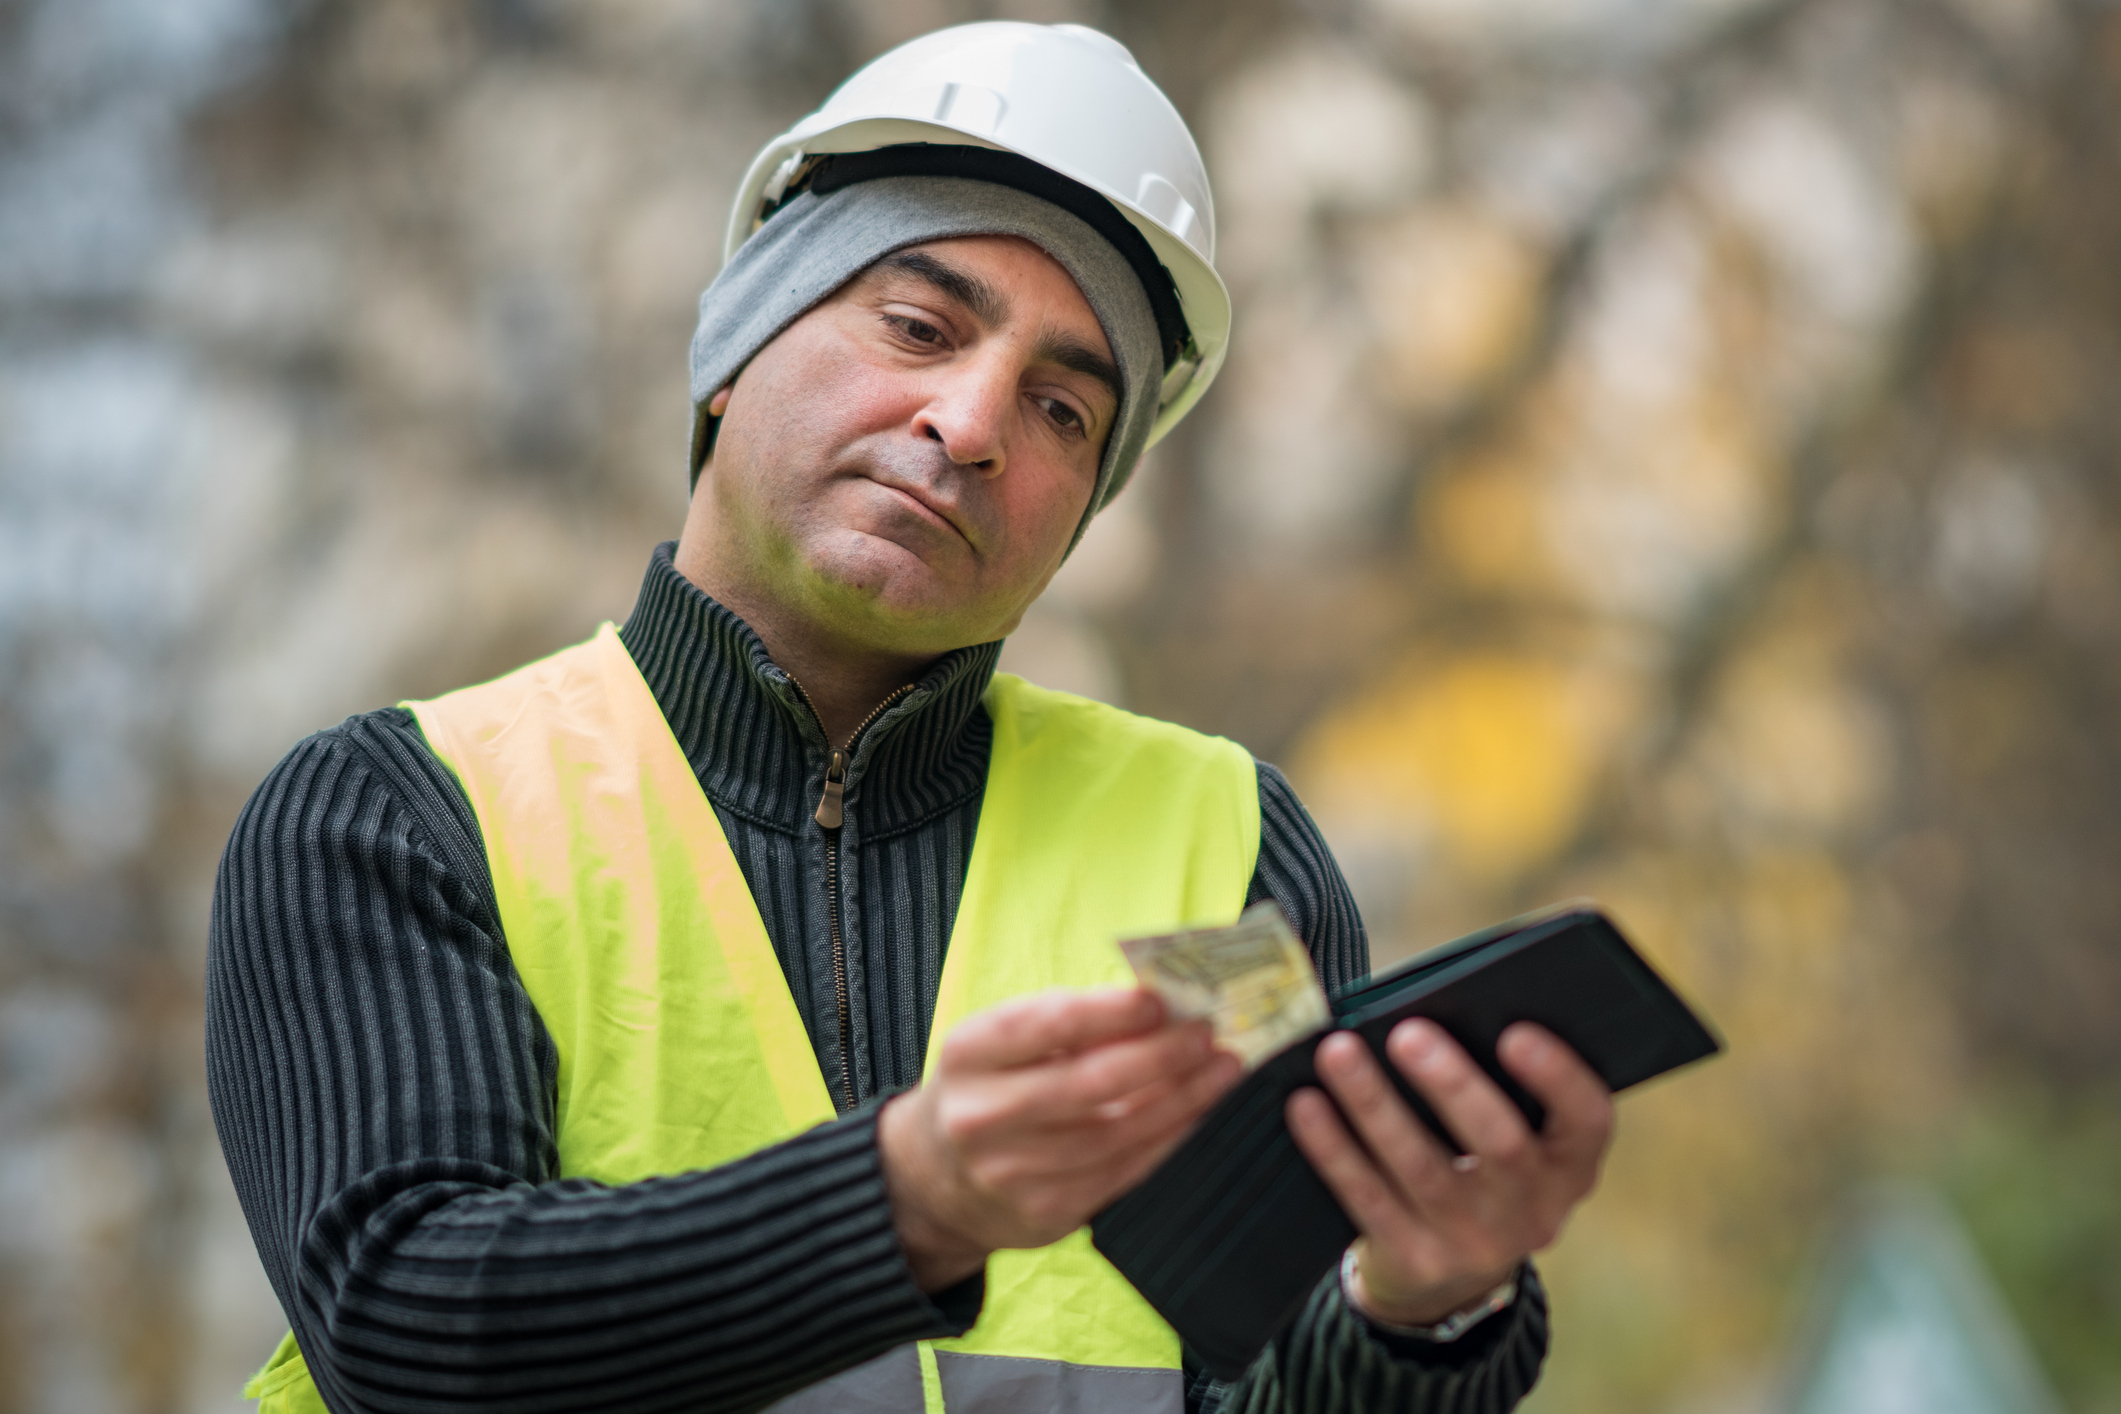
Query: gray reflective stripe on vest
(990, 1384)
(1003, 1384)
(889, 1384)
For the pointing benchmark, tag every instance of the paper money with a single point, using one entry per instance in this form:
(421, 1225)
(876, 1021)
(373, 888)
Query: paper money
(1253, 980)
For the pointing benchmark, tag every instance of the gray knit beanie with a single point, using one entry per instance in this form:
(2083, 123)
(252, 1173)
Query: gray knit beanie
(816, 243)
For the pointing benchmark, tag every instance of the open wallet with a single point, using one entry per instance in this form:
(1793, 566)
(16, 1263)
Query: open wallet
(1231, 1235)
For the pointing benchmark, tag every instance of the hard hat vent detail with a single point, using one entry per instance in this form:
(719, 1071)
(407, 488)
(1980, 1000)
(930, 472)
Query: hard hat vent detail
(971, 109)
(1160, 201)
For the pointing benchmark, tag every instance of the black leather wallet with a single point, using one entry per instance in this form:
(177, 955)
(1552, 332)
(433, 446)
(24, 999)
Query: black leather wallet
(1232, 1234)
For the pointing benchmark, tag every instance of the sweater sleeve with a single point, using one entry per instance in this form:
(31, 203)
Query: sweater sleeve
(384, 1093)
(1330, 1360)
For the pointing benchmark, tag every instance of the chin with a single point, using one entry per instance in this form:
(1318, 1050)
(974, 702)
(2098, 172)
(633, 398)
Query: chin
(890, 596)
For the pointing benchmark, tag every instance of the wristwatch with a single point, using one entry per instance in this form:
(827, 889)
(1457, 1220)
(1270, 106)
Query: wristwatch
(1449, 1328)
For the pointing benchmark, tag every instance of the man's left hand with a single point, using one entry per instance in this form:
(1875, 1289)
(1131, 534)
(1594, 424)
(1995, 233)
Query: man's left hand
(1438, 1235)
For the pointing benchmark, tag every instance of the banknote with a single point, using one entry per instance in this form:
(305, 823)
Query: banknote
(1253, 980)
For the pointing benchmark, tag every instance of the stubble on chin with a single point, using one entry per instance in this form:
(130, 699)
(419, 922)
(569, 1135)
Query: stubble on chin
(872, 578)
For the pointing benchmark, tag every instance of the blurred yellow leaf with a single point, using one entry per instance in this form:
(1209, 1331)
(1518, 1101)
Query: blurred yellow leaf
(1452, 291)
(1494, 753)
(1481, 521)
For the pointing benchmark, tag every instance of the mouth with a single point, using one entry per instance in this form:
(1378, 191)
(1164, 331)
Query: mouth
(941, 516)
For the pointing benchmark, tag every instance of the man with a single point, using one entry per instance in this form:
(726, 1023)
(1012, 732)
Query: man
(722, 1012)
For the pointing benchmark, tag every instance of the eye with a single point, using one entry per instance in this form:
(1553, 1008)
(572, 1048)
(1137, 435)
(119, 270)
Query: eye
(1064, 416)
(917, 331)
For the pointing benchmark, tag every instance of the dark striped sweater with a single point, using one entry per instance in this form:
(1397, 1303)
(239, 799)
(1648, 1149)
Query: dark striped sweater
(384, 1090)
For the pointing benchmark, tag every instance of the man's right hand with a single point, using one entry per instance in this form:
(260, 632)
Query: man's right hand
(1040, 1112)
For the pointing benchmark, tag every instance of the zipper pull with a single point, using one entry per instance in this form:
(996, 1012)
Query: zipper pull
(828, 806)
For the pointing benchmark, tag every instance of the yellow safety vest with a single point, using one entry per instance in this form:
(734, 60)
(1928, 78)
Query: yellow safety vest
(634, 934)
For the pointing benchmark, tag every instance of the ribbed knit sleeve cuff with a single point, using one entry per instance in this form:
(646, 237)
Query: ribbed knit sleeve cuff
(951, 1310)
(1489, 1370)
(1335, 1362)
(861, 1297)
(1475, 1346)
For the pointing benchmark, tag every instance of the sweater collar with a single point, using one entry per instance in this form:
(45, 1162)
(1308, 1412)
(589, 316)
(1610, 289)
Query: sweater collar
(755, 744)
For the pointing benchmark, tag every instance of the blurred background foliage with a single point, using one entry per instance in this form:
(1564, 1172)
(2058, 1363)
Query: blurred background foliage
(1671, 453)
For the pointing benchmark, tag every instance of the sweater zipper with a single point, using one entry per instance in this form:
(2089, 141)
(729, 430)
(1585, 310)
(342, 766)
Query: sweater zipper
(830, 814)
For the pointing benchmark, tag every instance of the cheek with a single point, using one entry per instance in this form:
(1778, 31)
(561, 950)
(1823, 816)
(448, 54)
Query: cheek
(856, 397)
(812, 395)
(1042, 513)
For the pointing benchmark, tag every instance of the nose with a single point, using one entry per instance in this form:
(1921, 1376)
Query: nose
(967, 412)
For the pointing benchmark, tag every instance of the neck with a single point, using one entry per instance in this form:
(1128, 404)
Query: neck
(842, 687)
(844, 683)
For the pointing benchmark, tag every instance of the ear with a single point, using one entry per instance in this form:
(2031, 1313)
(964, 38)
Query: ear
(706, 422)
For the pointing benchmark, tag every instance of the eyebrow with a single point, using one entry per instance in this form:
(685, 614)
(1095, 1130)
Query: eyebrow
(988, 305)
(991, 307)
(1073, 354)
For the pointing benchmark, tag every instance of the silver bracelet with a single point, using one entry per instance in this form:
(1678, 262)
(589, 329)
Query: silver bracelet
(1448, 1329)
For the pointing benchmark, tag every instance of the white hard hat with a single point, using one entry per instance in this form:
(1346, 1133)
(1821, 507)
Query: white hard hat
(1068, 98)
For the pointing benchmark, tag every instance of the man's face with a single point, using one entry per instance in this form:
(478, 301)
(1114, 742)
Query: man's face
(905, 464)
